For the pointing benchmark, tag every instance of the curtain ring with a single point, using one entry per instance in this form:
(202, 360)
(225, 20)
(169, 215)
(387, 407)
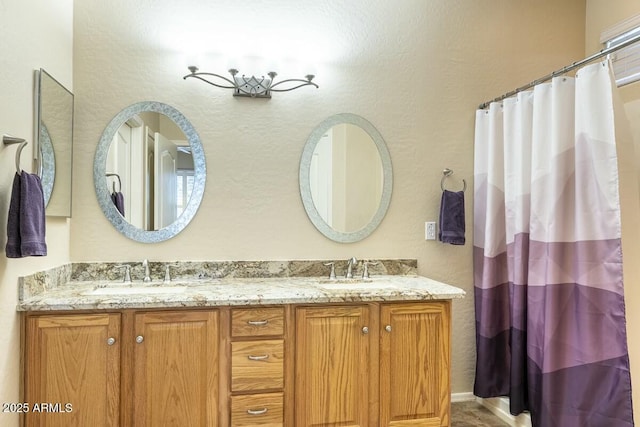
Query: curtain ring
(448, 172)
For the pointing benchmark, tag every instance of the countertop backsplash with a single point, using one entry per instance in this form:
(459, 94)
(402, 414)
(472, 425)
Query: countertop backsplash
(42, 281)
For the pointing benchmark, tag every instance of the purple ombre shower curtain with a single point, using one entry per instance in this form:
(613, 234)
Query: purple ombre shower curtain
(550, 316)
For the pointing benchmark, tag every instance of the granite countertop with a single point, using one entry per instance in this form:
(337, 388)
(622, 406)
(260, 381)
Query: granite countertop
(230, 291)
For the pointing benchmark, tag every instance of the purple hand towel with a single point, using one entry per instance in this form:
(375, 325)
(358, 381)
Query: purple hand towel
(452, 218)
(118, 200)
(13, 222)
(32, 216)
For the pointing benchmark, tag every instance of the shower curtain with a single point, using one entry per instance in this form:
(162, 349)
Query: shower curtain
(550, 315)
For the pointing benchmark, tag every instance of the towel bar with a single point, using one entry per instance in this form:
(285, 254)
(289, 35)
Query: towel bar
(114, 184)
(10, 140)
(448, 172)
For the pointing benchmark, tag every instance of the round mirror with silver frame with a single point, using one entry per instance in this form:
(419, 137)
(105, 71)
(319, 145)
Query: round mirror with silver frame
(100, 172)
(346, 183)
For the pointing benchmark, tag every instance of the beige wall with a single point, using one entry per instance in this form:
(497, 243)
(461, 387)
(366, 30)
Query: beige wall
(34, 34)
(602, 15)
(415, 69)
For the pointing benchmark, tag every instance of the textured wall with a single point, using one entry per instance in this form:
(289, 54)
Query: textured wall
(34, 34)
(416, 69)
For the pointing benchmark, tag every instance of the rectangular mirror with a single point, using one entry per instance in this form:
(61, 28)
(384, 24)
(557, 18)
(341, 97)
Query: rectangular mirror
(54, 122)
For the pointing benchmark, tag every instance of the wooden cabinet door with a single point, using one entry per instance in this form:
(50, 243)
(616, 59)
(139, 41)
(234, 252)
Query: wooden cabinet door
(72, 375)
(176, 369)
(414, 364)
(332, 363)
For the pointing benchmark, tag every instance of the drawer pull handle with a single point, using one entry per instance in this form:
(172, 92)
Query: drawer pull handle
(257, 411)
(263, 357)
(257, 322)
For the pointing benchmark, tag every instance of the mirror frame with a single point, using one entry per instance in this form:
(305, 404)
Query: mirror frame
(102, 189)
(47, 163)
(305, 183)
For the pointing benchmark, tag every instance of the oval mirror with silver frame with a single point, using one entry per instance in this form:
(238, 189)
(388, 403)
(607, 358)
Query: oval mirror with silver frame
(141, 156)
(346, 178)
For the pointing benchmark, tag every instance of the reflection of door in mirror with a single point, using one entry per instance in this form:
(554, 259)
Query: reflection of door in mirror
(153, 160)
(185, 175)
(166, 157)
(126, 151)
(149, 166)
(346, 178)
(321, 177)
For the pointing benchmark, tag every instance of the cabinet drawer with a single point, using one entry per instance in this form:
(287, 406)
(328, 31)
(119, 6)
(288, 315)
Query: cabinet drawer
(257, 365)
(257, 410)
(256, 322)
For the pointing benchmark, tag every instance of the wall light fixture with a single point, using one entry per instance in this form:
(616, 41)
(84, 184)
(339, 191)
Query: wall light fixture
(253, 87)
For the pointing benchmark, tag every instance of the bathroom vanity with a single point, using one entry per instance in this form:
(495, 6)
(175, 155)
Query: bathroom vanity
(237, 351)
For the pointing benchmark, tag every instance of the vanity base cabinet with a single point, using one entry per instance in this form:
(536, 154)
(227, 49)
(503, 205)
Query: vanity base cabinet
(332, 366)
(373, 365)
(176, 364)
(366, 364)
(72, 370)
(414, 364)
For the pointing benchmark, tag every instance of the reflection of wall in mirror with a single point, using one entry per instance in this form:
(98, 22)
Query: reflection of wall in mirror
(346, 178)
(56, 115)
(362, 177)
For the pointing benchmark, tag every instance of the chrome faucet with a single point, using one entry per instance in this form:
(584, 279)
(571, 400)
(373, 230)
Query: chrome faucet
(365, 269)
(127, 273)
(147, 274)
(332, 274)
(350, 264)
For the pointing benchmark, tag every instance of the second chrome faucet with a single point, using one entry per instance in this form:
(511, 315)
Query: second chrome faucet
(147, 273)
(351, 263)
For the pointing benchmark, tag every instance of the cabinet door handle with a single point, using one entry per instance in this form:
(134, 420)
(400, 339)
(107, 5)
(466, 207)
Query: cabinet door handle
(365, 330)
(387, 328)
(139, 339)
(257, 411)
(257, 322)
(111, 341)
(263, 357)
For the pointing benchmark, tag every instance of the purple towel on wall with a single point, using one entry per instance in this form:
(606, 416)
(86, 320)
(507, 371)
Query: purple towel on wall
(13, 222)
(26, 224)
(452, 218)
(118, 200)
(32, 217)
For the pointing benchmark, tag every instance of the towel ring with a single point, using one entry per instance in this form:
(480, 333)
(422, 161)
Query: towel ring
(114, 184)
(10, 140)
(448, 172)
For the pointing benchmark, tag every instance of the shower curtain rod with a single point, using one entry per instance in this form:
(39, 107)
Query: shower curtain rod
(561, 71)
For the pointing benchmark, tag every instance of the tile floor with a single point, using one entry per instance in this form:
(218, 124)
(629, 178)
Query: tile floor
(473, 414)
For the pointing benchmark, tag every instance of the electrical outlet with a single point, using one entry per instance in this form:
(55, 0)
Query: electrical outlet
(430, 230)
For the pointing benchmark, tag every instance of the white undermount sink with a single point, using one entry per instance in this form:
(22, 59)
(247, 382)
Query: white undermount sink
(132, 290)
(355, 284)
